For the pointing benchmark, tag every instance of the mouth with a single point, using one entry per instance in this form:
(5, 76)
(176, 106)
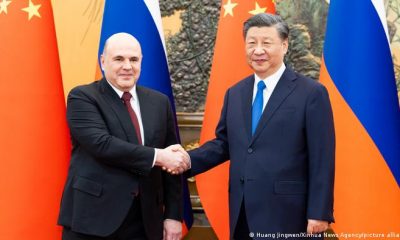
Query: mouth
(126, 76)
(259, 61)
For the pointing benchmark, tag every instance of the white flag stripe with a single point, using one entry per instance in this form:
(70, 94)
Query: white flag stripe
(154, 9)
(380, 9)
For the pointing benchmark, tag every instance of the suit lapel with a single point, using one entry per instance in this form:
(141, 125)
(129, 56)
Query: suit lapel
(145, 105)
(247, 99)
(120, 110)
(284, 87)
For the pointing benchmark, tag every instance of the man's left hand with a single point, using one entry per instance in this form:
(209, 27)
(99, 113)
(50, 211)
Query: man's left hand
(172, 229)
(316, 226)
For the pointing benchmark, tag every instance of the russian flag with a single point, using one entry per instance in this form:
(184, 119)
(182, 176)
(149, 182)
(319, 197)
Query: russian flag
(357, 69)
(142, 19)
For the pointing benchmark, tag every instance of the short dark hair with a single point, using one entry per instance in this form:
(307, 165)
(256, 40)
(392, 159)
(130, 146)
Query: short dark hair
(267, 20)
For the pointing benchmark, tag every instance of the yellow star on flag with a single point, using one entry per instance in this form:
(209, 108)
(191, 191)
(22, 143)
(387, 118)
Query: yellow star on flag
(258, 10)
(32, 9)
(3, 6)
(229, 8)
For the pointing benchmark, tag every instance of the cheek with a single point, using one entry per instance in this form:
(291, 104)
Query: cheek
(136, 66)
(114, 69)
(249, 54)
(136, 72)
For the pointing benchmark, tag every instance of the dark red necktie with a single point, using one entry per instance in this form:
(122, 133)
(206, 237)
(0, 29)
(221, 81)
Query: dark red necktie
(126, 98)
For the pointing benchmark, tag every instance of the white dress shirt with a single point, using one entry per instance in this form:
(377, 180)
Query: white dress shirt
(270, 83)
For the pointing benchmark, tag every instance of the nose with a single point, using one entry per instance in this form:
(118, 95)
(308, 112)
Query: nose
(127, 64)
(259, 49)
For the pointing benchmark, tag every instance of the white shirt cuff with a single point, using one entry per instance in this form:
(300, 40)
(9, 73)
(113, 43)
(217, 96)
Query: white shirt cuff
(155, 156)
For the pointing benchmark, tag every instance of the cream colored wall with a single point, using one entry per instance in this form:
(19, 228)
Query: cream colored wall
(172, 24)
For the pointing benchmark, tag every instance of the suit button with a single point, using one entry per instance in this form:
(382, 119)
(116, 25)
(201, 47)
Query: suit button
(242, 180)
(250, 150)
(134, 194)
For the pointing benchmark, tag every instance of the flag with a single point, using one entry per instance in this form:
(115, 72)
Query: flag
(78, 29)
(229, 66)
(34, 141)
(357, 70)
(142, 19)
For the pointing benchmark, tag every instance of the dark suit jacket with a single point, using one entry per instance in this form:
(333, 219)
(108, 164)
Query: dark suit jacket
(285, 172)
(107, 166)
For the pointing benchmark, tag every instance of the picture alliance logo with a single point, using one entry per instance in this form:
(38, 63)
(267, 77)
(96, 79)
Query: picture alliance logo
(362, 235)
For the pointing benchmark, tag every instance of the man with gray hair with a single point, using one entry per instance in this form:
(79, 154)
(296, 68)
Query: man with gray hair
(276, 127)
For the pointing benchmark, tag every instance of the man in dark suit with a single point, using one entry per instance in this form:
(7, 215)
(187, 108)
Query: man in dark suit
(116, 188)
(276, 127)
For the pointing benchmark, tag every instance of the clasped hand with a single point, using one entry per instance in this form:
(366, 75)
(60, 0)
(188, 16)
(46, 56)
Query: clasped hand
(173, 159)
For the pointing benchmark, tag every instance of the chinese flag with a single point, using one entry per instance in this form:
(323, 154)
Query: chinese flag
(34, 143)
(229, 67)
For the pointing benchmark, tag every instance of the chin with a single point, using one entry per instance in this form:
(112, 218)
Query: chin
(260, 70)
(126, 85)
(126, 82)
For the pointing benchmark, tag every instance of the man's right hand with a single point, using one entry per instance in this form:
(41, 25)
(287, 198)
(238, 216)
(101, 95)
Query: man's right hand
(173, 159)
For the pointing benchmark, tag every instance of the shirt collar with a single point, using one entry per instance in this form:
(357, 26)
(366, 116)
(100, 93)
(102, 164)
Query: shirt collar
(271, 80)
(120, 93)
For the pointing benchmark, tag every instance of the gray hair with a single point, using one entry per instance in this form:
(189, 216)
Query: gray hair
(267, 20)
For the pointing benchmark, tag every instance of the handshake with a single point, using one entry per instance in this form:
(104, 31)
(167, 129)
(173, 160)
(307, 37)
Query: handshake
(173, 159)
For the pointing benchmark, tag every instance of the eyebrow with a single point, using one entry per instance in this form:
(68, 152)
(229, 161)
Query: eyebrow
(120, 56)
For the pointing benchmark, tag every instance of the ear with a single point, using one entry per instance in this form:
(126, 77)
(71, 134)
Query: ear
(102, 61)
(285, 45)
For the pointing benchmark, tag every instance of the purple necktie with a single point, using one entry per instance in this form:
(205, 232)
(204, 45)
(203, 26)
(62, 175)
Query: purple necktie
(126, 98)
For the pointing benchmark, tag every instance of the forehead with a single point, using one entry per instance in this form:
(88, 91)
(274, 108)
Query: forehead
(264, 32)
(123, 47)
